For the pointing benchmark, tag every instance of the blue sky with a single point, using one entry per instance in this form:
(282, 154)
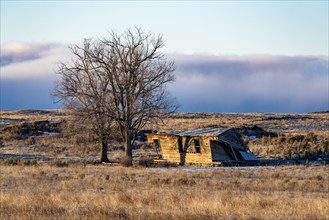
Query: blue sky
(266, 34)
(220, 27)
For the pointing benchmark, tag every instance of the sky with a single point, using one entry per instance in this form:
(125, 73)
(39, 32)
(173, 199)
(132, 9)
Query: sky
(231, 56)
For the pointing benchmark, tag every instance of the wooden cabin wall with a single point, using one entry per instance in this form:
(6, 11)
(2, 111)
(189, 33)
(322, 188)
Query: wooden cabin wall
(150, 138)
(204, 156)
(170, 151)
(169, 148)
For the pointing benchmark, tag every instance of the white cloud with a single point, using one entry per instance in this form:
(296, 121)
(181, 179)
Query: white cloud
(28, 74)
(16, 48)
(252, 83)
(29, 60)
(261, 83)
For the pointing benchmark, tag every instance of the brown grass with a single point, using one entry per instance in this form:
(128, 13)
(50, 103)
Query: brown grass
(105, 192)
(78, 140)
(60, 189)
(309, 146)
(279, 123)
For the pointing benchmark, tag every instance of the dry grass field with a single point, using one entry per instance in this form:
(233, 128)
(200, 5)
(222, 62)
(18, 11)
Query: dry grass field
(279, 123)
(50, 174)
(106, 192)
(301, 136)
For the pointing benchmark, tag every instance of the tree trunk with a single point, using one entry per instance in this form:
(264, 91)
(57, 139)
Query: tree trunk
(104, 152)
(128, 149)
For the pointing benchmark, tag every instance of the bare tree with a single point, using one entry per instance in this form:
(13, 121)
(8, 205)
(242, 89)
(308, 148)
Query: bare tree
(85, 90)
(138, 74)
(119, 79)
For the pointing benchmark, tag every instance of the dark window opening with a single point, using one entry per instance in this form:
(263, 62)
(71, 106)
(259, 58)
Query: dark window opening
(197, 146)
(156, 143)
(180, 145)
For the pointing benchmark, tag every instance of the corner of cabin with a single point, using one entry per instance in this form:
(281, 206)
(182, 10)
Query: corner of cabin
(200, 147)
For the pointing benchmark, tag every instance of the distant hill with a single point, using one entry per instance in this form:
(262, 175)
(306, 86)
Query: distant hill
(320, 112)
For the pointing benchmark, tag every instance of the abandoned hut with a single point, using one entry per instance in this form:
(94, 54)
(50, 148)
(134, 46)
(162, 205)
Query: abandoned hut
(206, 147)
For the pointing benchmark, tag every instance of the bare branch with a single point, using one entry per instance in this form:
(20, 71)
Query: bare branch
(120, 79)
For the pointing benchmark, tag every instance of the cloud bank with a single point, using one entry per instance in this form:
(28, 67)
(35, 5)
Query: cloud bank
(27, 74)
(204, 83)
(262, 83)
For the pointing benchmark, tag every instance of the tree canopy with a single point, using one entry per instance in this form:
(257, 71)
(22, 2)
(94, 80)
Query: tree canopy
(118, 81)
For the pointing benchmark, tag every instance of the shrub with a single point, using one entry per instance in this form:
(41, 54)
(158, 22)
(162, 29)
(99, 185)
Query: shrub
(309, 146)
(30, 141)
(126, 161)
(12, 161)
(145, 162)
(165, 164)
(145, 146)
(59, 163)
(31, 162)
(184, 181)
(81, 175)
